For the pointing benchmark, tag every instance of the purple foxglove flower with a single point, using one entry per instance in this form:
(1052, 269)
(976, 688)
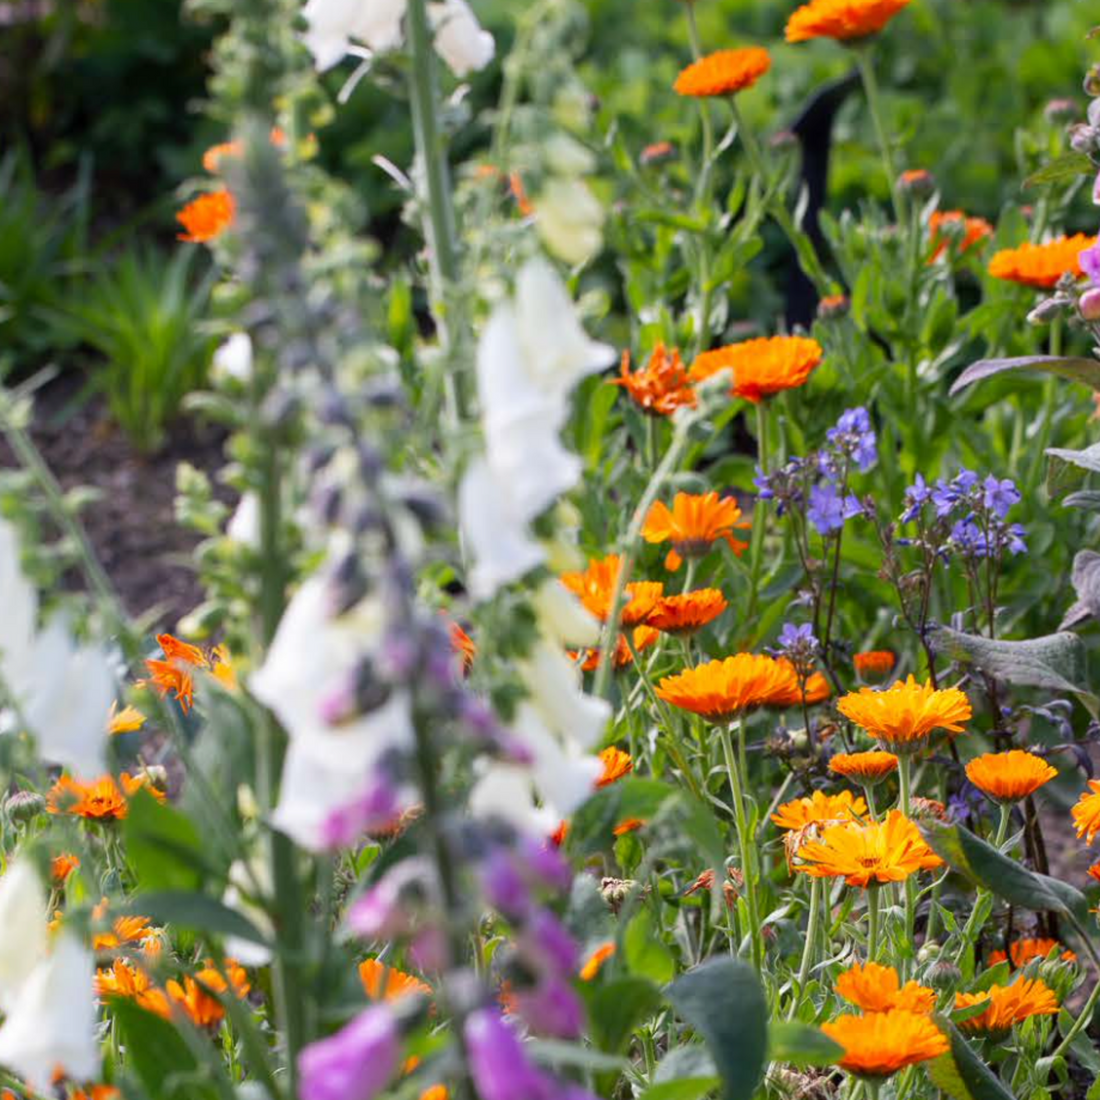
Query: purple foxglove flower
(385, 911)
(1089, 261)
(498, 1065)
(356, 1063)
(828, 510)
(551, 1008)
(547, 942)
(546, 864)
(505, 888)
(429, 950)
(377, 806)
(999, 495)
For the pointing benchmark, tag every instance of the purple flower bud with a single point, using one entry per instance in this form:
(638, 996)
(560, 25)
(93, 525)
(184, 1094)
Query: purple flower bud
(377, 806)
(1089, 304)
(1089, 261)
(498, 1065)
(916, 496)
(551, 1008)
(354, 1064)
(386, 910)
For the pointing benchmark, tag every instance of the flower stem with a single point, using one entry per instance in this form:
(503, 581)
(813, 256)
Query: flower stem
(809, 948)
(904, 782)
(872, 922)
(759, 513)
(874, 101)
(1002, 825)
(744, 839)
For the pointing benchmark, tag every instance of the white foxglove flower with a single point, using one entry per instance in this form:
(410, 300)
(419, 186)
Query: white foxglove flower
(23, 916)
(67, 701)
(505, 791)
(569, 220)
(52, 1022)
(246, 879)
(244, 524)
(554, 685)
(233, 359)
(495, 534)
(19, 621)
(563, 776)
(459, 38)
(563, 617)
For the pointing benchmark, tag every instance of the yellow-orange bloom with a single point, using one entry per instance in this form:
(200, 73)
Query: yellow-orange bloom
(132, 983)
(1086, 813)
(974, 230)
(661, 387)
(223, 668)
(175, 673)
(382, 982)
(688, 612)
(1009, 776)
(125, 930)
(876, 988)
(206, 217)
(904, 716)
(792, 694)
(1040, 265)
(196, 996)
(1008, 1005)
(463, 645)
(881, 1043)
(124, 721)
(436, 1092)
(99, 799)
(1023, 951)
(762, 366)
(62, 866)
(874, 664)
(693, 524)
(864, 855)
(819, 809)
(628, 825)
(721, 690)
(642, 638)
(616, 764)
(594, 963)
(841, 19)
(864, 767)
(595, 587)
(213, 157)
(724, 72)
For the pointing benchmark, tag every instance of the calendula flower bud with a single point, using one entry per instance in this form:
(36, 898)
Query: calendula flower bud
(24, 806)
(1082, 138)
(1047, 310)
(657, 153)
(944, 974)
(1092, 81)
(1088, 305)
(833, 307)
(1060, 110)
(918, 183)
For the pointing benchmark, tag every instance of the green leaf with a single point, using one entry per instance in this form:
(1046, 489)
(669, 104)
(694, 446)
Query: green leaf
(163, 846)
(645, 952)
(1004, 877)
(616, 1008)
(157, 1054)
(801, 1045)
(1086, 499)
(723, 1000)
(686, 1088)
(1088, 459)
(1073, 368)
(187, 909)
(1063, 169)
(1086, 583)
(1056, 661)
(961, 1073)
(685, 1073)
(635, 796)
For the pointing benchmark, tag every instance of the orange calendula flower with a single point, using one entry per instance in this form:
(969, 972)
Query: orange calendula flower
(904, 716)
(1009, 776)
(206, 217)
(1086, 813)
(881, 1043)
(761, 367)
(126, 720)
(629, 825)
(874, 664)
(464, 646)
(876, 988)
(1040, 265)
(197, 996)
(841, 19)
(98, 1092)
(436, 1092)
(1008, 1005)
(661, 387)
(819, 809)
(595, 587)
(688, 612)
(642, 638)
(1094, 871)
(864, 767)
(125, 930)
(99, 799)
(693, 524)
(594, 963)
(175, 673)
(1023, 951)
(222, 667)
(213, 157)
(131, 982)
(62, 866)
(865, 855)
(721, 690)
(616, 764)
(943, 226)
(724, 72)
(558, 836)
(382, 982)
(792, 694)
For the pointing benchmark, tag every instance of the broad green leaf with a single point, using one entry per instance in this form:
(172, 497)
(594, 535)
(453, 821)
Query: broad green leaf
(592, 826)
(1086, 582)
(616, 1008)
(1088, 459)
(163, 846)
(158, 1055)
(187, 909)
(961, 1073)
(723, 1000)
(1086, 499)
(1073, 368)
(1063, 169)
(801, 1045)
(555, 1053)
(1004, 877)
(1056, 661)
(587, 916)
(686, 1088)
(645, 952)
